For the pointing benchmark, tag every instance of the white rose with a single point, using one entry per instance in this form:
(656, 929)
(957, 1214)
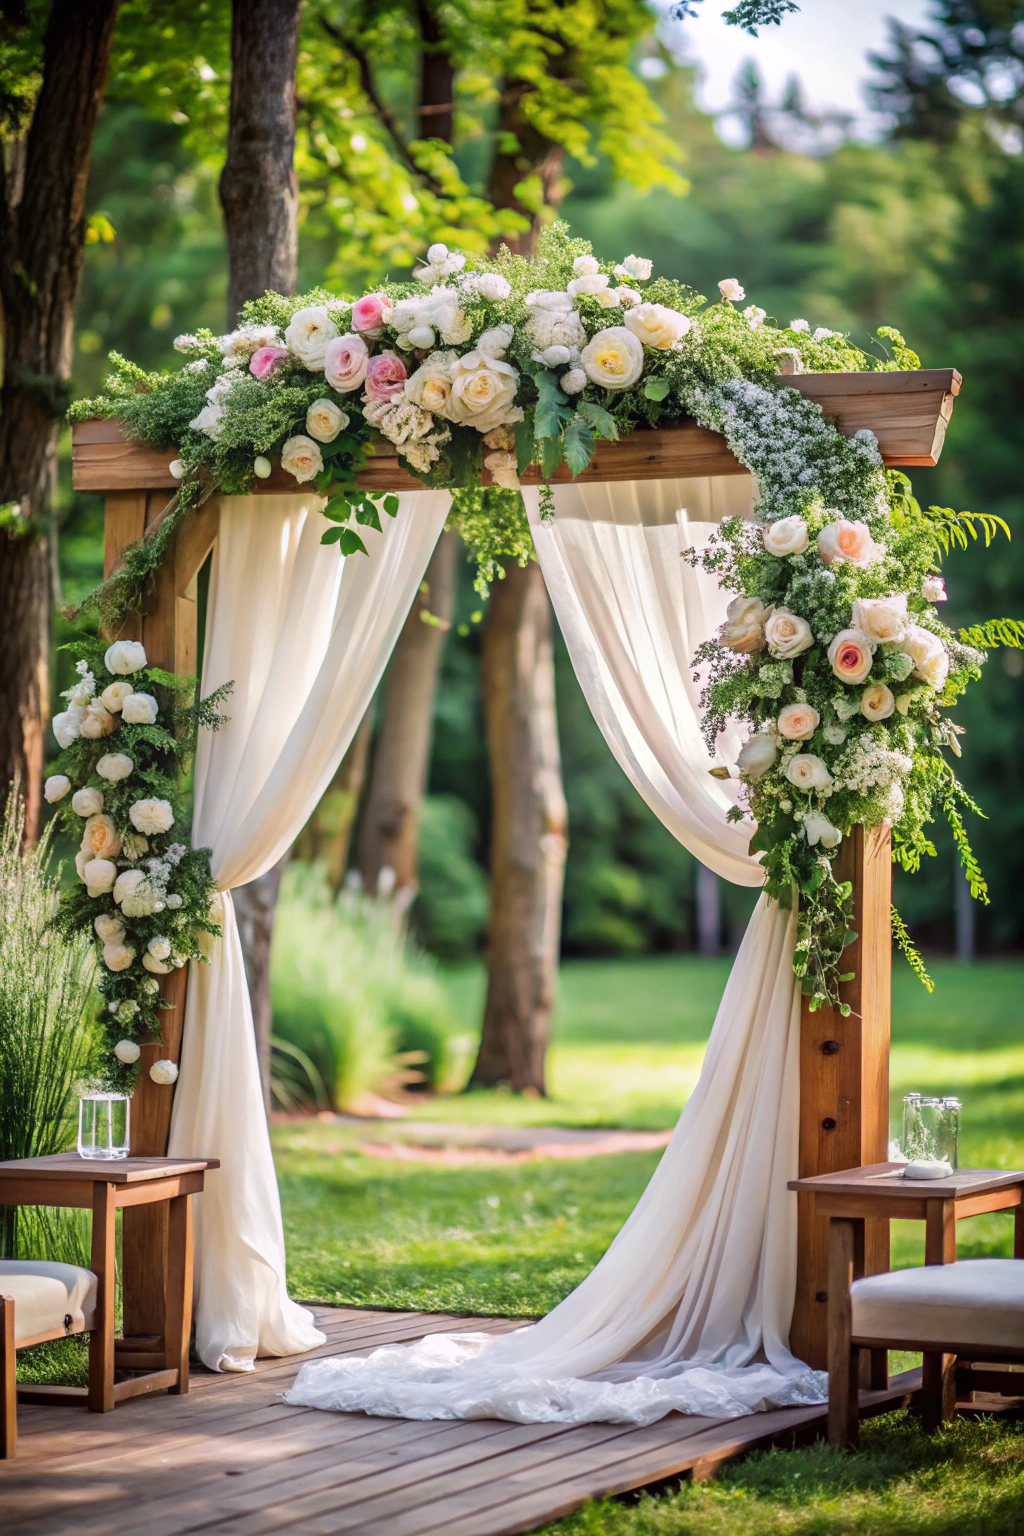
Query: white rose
(806, 771)
(798, 722)
(159, 948)
(788, 536)
(125, 657)
(56, 787)
(483, 391)
(114, 766)
(87, 802)
(933, 589)
(164, 1072)
(882, 619)
(657, 326)
(209, 421)
(127, 1051)
(114, 695)
(117, 957)
(155, 966)
(818, 829)
(877, 702)
(743, 630)
(324, 420)
(731, 288)
(301, 458)
(135, 894)
(496, 341)
(587, 286)
(109, 930)
(99, 876)
(608, 298)
(140, 709)
(151, 816)
(628, 296)
(67, 726)
(574, 382)
(787, 634)
(637, 267)
(614, 359)
(756, 756)
(927, 652)
(586, 266)
(430, 387)
(502, 466)
(308, 333)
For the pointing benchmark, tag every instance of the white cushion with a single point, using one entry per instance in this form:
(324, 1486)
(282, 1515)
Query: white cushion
(974, 1301)
(45, 1294)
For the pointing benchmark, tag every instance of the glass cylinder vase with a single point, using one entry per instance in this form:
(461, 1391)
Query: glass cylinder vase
(103, 1125)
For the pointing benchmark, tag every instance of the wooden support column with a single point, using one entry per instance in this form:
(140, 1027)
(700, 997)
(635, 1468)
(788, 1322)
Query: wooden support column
(168, 631)
(844, 1084)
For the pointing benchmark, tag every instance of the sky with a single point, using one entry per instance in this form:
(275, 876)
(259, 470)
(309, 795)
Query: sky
(826, 43)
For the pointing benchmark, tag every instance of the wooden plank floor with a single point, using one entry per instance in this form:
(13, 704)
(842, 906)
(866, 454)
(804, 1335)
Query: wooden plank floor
(231, 1459)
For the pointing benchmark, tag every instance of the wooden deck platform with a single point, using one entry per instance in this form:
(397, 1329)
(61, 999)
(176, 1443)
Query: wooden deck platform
(231, 1459)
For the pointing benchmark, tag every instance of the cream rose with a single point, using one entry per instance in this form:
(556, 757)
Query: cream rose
(483, 391)
(109, 930)
(97, 722)
(882, 619)
(99, 876)
(151, 816)
(114, 766)
(845, 540)
(127, 1051)
(139, 709)
(798, 722)
(100, 839)
(927, 652)
(731, 288)
(164, 1072)
(301, 458)
(806, 771)
(87, 801)
(430, 387)
(118, 957)
(324, 420)
(818, 829)
(877, 702)
(308, 334)
(637, 267)
(657, 326)
(787, 634)
(614, 359)
(114, 695)
(135, 894)
(743, 630)
(788, 536)
(125, 657)
(155, 966)
(756, 756)
(159, 948)
(56, 787)
(851, 655)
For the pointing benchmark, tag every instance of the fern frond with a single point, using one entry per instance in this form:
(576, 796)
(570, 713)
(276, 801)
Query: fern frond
(976, 881)
(995, 632)
(911, 954)
(951, 529)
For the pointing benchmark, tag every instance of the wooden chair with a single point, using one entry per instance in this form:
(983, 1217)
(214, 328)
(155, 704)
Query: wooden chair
(973, 1308)
(38, 1301)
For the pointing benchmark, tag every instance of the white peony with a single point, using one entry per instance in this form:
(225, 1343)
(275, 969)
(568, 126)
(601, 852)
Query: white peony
(787, 634)
(135, 894)
(588, 286)
(483, 392)
(99, 876)
(877, 702)
(127, 1051)
(301, 458)
(114, 766)
(586, 266)
(155, 966)
(555, 326)
(117, 957)
(97, 722)
(139, 709)
(636, 267)
(818, 829)
(308, 333)
(164, 1072)
(731, 288)
(614, 359)
(757, 755)
(67, 726)
(56, 787)
(628, 296)
(496, 341)
(574, 382)
(125, 657)
(806, 771)
(927, 652)
(658, 326)
(151, 816)
(114, 695)
(159, 948)
(324, 420)
(882, 619)
(87, 802)
(788, 536)
(109, 930)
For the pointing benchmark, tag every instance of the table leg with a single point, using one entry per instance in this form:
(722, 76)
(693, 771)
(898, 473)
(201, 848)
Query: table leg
(104, 1265)
(8, 1380)
(1018, 1232)
(843, 1358)
(938, 1372)
(178, 1315)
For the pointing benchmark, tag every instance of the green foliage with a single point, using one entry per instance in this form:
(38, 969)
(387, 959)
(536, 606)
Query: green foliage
(910, 953)
(450, 911)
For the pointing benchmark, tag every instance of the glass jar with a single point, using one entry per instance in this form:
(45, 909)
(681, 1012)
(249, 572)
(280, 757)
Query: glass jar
(103, 1120)
(913, 1128)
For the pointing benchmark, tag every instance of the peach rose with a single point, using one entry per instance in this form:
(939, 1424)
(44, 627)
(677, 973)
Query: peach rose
(851, 656)
(877, 702)
(100, 839)
(743, 630)
(385, 376)
(844, 540)
(787, 634)
(345, 362)
(98, 721)
(798, 722)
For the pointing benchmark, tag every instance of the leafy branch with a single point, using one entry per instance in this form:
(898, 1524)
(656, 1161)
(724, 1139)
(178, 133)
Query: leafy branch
(994, 633)
(910, 952)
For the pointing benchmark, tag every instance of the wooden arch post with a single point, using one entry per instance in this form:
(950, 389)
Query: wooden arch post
(844, 1062)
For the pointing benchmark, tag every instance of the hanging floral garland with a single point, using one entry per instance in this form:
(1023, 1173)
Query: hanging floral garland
(144, 894)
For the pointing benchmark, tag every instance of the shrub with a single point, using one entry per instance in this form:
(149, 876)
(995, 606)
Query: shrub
(450, 911)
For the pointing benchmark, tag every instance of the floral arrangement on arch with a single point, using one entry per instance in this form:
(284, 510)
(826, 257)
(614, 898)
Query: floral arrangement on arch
(144, 893)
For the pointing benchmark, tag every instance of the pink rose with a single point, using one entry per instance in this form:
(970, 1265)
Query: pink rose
(850, 655)
(847, 540)
(368, 313)
(385, 376)
(345, 362)
(266, 360)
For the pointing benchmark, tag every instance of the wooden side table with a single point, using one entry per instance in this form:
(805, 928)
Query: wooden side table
(850, 1198)
(157, 1362)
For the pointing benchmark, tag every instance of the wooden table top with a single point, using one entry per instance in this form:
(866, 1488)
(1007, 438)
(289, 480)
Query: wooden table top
(883, 1180)
(119, 1170)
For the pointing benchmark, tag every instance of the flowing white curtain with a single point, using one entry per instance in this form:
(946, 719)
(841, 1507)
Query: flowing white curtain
(304, 637)
(690, 1307)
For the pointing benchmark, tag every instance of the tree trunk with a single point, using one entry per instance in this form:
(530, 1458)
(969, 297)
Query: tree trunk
(533, 155)
(389, 830)
(437, 78)
(258, 189)
(528, 833)
(43, 181)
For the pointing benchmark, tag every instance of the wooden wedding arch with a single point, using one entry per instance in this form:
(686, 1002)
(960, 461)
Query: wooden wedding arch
(844, 1062)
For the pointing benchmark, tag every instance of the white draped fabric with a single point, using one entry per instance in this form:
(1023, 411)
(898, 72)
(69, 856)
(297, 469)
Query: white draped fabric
(690, 1307)
(304, 637)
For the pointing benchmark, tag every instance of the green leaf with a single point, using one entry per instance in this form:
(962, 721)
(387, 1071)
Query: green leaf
(578, 446)
(656, 389)
(524, 446)
(367, 515)
(390, 505)
(550, 455)
(332, 535)
(553, 407)
(602, 421)
(350, 542)
(338, 509)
